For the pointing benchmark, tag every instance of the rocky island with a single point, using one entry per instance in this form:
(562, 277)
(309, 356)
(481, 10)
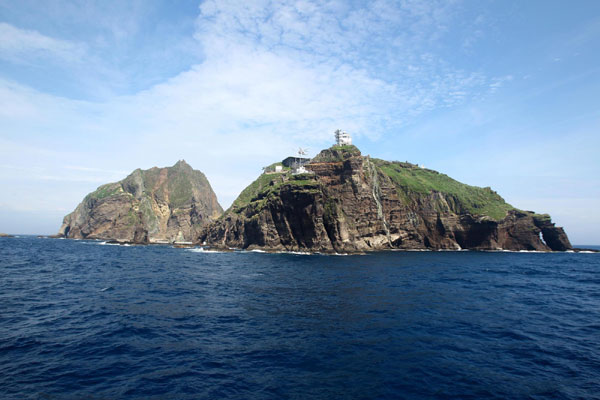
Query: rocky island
(158, 205)
(342, 201)
(339, 201)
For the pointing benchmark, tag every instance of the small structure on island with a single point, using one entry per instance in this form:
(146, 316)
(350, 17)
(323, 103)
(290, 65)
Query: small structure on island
(297, 163)
(342, 138)
(300, 161)
(272, 169)
(294, 163)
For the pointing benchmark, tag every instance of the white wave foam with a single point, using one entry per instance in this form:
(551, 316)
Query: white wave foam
(202, 250)
(254, 275)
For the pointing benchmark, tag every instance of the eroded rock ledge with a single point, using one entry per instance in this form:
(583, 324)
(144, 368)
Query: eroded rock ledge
(351, 203)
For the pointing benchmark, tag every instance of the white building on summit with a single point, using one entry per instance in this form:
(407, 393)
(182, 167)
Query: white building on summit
(342, 138)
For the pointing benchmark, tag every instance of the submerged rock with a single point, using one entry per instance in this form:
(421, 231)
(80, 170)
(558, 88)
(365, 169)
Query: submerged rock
(149, 206)
(352, 203)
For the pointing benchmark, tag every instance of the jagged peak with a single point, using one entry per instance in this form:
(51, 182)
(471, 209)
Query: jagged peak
(181, 164)
(135, 199)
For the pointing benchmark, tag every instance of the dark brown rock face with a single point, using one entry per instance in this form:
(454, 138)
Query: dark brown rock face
(352, 203)
(155, 205)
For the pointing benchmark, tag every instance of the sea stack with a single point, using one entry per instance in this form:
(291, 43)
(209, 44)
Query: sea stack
(342, 201)
(158, 205)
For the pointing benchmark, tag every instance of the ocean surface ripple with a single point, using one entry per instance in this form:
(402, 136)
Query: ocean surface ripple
(81, 320)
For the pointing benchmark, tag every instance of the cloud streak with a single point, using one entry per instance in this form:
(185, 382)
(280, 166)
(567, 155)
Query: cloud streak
(274, 76)
(28, 46)
(384, 41)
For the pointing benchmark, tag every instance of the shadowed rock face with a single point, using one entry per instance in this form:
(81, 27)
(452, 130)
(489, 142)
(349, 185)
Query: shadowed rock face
(159, 204)
(353, 203)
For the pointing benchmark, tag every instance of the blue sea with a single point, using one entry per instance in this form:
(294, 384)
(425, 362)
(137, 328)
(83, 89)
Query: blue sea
(88, 320)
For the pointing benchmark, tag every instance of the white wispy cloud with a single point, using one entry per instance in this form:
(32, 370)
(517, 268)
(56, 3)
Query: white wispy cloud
(497, 83)
(384, 40)
(274, 76)
(29, 45)
(364, 67)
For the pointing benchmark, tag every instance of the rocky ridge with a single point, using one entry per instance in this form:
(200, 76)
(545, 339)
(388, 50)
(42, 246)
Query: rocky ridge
(158, 205)
(353, 203)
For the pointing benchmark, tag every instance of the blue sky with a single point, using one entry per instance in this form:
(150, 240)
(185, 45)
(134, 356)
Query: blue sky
(493, 93)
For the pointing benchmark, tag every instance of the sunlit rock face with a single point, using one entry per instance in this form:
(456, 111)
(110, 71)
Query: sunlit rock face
(351, 203)
(156, 205)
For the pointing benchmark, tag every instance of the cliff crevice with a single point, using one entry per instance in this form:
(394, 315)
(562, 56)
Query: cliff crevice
(351, 203)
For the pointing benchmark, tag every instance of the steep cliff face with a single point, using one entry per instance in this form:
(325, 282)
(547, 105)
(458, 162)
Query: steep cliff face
(154, 205)
(353, 203)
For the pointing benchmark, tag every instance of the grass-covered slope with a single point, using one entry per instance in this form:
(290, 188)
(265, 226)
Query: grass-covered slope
(266, 186)
(411, 179)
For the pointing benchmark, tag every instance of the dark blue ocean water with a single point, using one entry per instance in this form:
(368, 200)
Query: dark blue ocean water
(79, 320)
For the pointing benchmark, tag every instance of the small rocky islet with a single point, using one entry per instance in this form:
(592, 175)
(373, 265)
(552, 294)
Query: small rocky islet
(337, 202)
(157, 205)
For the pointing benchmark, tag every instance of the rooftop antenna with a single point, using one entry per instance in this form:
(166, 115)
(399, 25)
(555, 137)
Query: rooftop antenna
(298, 160)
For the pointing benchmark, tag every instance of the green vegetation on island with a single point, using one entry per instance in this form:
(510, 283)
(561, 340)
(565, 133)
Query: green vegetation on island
(348, 202)
(410, 178)
(268, 185)
(153, 205)
(104, 191)
(410, 181)
(337, 153)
